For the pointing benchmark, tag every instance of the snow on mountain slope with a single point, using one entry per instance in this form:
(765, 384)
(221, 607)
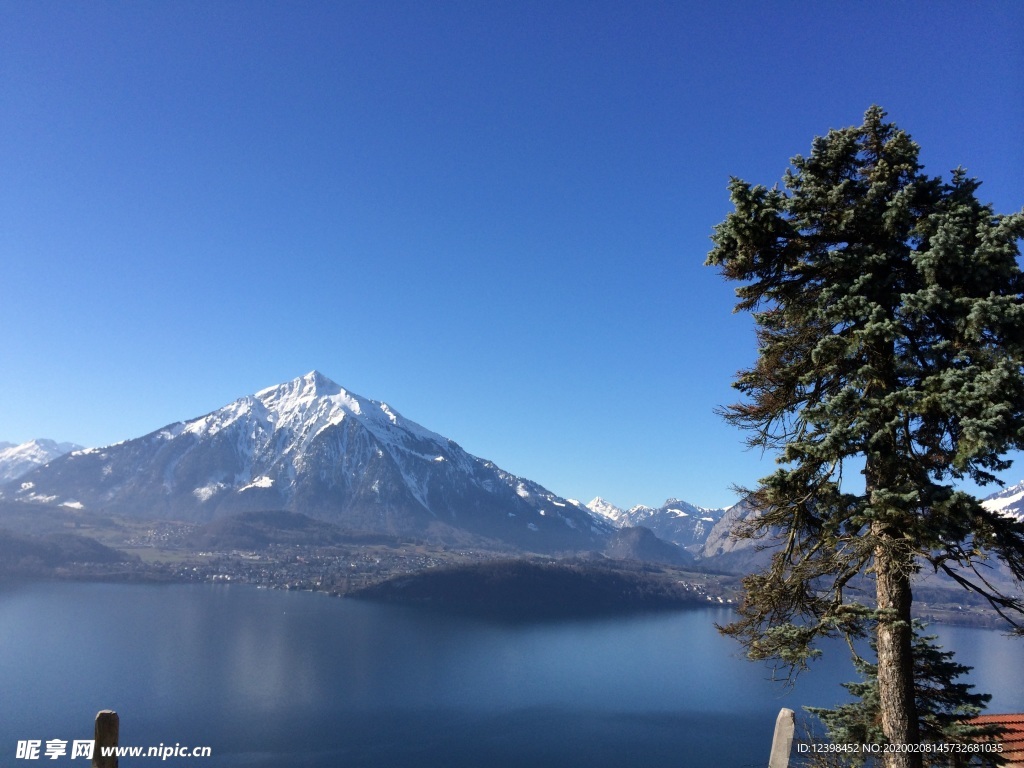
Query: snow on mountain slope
(310, 446)
(676, 521)
(605, 509)
(16, 460)
(1009, 501)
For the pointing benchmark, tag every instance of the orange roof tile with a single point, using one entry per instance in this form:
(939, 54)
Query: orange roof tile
(1012, 739)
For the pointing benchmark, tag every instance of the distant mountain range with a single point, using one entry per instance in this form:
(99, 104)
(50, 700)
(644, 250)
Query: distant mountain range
(679, 522)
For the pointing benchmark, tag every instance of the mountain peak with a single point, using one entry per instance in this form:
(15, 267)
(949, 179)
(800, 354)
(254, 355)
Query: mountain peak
(319, 384)
(606, 510)
(311, 386)
(317, 378)
(17, 460)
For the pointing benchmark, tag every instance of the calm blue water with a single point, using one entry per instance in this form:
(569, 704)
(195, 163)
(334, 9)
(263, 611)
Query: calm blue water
(277, 678)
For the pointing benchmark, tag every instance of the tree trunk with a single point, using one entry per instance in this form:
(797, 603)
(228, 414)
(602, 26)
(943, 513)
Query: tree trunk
(895, 654)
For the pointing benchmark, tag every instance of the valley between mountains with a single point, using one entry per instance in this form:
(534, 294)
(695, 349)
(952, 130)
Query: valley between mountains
(305, 485)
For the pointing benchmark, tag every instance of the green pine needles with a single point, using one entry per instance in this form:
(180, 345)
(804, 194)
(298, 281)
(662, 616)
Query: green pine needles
(890, 329)
(945, 706)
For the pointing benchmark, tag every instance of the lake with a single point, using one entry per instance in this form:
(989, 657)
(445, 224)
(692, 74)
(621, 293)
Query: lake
(280, 678)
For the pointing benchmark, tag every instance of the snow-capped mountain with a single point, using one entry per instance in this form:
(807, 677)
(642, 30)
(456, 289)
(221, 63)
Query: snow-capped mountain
(1009, 501)
(615, 515)
(16, 460)
(676, 521)
(310, 446)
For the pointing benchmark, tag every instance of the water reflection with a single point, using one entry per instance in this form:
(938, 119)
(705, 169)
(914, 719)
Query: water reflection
(277, 678)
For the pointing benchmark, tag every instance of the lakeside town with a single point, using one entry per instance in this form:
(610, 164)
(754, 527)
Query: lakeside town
(176, 552)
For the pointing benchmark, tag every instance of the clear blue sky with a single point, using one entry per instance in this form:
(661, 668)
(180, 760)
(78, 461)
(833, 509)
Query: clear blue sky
(491, 215)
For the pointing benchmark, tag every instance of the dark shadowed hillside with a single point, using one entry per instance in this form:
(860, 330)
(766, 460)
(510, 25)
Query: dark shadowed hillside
(640, 543)
(515, 588)
(28, 555)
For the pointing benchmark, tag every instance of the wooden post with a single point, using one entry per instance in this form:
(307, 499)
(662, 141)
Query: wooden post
(107, 727)
(782, 743)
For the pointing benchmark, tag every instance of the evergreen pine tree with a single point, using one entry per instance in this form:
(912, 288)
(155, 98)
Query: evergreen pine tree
(944, 706)
(890, 331)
